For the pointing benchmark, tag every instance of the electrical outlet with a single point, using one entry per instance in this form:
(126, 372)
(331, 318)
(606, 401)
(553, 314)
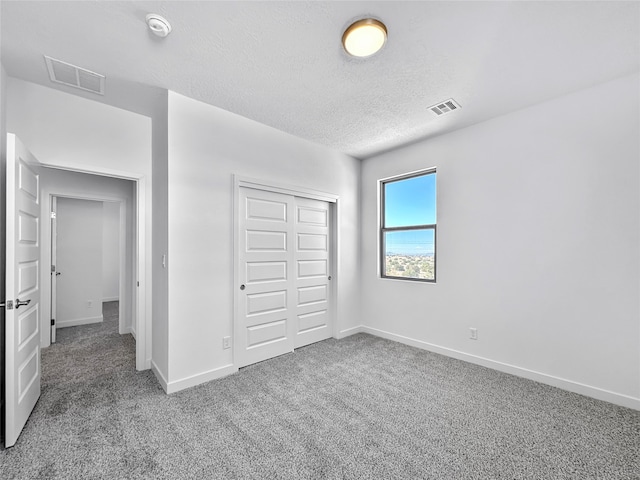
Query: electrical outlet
(226, 342)
(89, 303)
(473, 333)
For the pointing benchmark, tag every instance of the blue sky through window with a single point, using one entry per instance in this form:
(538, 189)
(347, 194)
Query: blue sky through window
(410, 202)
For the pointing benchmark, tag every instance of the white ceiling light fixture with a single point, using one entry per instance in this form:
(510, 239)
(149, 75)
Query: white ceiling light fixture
(160, 26)
(364, 37)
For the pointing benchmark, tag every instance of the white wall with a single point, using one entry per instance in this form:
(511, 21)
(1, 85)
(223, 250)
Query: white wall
(206, 146)
(74, 133)
(538, 244)
(538, 229)
(62, 183)
(65, 130)
(3, 232)
(79, 262)
(110, 251)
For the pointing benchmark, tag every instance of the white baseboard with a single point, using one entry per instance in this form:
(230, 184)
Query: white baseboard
(78, 321)
(582, 389)
(349, 331)
(199, 378)
(111, 299)
(156, 371)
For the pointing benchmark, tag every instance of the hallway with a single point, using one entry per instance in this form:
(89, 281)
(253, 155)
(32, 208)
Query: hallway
(84, 353)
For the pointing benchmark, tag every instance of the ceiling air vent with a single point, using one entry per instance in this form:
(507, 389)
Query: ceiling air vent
(67, 74)
(445, 107)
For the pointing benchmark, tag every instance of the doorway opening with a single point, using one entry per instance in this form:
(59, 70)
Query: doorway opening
(90, 263)
(31, 188)
(127, 195)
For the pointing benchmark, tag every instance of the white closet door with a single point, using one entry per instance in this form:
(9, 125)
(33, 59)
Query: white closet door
(312, 320)
(283, 272)
(265, 276)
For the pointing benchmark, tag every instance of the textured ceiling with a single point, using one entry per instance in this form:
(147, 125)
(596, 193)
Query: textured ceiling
(281, 63)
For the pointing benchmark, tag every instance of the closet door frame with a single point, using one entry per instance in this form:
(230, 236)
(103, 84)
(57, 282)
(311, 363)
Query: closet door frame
(296, 191)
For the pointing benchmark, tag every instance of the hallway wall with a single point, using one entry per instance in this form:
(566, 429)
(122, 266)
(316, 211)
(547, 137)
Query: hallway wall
(79, 252)
(110, 251)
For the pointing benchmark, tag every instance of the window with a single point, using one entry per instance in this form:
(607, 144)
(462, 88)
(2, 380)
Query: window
(408, 227)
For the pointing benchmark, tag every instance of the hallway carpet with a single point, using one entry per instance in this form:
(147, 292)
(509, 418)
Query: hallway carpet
(357, 408)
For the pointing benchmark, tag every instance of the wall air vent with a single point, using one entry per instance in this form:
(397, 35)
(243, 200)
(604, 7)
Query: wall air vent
(67, 74)
(445, 107)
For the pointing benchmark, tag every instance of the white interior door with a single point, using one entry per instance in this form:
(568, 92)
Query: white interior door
(22, 289)
(312, 258)
(54, 269)
(265, 270)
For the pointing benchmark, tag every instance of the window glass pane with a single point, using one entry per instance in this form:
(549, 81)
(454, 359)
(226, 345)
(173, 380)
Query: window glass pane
(410, 254)
(410, 202)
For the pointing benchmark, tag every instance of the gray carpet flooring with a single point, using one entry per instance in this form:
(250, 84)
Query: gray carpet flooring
(357, 408)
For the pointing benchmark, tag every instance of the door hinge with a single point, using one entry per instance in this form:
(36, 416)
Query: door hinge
(53, 214)
(53, 321)
(53, 268)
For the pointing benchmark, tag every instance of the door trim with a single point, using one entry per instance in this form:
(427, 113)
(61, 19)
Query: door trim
(122, 252)
(53, 281)
(240, 181)
(142, 293)
(257, 184)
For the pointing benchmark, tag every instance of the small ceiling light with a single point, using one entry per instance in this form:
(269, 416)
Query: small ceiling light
(364, 37)
(160, 26)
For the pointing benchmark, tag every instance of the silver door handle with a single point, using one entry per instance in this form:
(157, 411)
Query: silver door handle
(242, 287)
(58, 273)
(21, 303)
